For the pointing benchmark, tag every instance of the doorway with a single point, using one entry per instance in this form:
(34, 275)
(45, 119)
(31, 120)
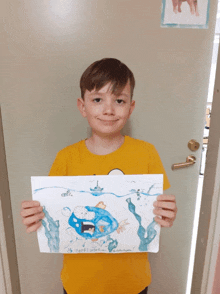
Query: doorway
(211, 245)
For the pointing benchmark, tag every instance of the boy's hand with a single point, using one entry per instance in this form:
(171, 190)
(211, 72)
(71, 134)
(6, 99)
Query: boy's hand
(165, 207)
(32, 214)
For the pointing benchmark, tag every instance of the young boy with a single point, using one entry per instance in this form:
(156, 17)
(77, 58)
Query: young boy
(106, 101)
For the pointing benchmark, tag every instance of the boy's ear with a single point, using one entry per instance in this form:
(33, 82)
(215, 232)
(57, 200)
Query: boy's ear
(132, 107)
(81, 106)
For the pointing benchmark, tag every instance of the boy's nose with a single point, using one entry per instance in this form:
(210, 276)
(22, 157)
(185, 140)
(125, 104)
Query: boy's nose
(108, 108)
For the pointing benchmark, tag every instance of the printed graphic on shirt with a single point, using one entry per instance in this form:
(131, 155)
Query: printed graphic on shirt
(116, 172)
(98, 213)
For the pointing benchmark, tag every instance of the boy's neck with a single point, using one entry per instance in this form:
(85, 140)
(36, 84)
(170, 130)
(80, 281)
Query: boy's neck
(104, 145)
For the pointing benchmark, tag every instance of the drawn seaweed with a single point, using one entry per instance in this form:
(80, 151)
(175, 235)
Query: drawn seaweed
(151, 232)
(52, 233)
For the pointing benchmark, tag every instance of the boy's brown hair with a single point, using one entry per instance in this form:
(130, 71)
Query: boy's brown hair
(106, 70)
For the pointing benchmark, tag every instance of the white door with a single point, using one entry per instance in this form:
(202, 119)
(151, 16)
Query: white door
(46, 45)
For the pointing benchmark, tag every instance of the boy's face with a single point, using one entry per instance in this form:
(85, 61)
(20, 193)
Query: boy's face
(106, 113)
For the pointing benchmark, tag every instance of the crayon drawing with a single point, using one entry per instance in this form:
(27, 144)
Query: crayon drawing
(98, 214)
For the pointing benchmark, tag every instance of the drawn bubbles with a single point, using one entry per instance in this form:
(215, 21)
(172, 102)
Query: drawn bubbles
(72, 236)
(66, 211)
(100, 245)
(82, 213)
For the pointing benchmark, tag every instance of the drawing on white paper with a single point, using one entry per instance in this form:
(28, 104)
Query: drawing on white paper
(111, 217)
(185, 13)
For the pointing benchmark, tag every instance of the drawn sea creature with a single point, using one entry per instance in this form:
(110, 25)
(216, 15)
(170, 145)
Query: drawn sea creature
(94, 222)
(68, 193)
(138, 192)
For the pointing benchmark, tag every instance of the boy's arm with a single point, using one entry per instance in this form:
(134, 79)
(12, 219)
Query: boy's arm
(165, 210)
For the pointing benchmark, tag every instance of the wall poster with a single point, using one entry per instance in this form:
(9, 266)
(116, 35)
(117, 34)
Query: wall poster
(185, 13)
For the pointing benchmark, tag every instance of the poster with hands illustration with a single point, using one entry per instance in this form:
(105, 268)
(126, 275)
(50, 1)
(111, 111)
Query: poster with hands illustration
(185, 13)
(98, 214)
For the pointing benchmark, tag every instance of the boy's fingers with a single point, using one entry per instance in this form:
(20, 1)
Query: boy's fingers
(34, 227)
(164, 222)
(29, 204)
(165, 213)
(32, 219)
(31, 211)
(165, 204)
(164, 197)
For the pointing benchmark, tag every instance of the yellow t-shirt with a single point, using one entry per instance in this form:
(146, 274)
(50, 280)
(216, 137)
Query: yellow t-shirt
(127, 273)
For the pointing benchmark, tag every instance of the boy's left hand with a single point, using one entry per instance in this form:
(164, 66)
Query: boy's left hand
(165, 207)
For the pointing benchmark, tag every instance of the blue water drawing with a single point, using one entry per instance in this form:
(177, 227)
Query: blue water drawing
(98, 191)
(100, 225)
(52, 233)
(151, 232)
(113, 244)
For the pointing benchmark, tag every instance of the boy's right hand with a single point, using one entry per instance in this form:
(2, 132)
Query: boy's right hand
(32, 214)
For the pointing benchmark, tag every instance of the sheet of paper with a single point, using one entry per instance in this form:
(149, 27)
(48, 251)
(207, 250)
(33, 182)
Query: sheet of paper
(98, 214)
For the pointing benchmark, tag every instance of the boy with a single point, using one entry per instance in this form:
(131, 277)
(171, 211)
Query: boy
(106, 101)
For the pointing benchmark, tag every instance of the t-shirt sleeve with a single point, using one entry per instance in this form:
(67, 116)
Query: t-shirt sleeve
(59, 166)
(156, 167)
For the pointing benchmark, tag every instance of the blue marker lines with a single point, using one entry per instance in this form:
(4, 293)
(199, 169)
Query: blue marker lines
(151, 232)
(100, 225)
(113, 244)
(52, 233)
(97, 193)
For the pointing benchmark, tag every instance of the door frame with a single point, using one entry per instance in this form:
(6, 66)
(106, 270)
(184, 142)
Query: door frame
(5, 279)
(9, 276)
(209, 270)
(205, 255)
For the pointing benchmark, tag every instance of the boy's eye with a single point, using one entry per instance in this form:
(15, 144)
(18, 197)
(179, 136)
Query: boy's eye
(120, 101)
(97, 99)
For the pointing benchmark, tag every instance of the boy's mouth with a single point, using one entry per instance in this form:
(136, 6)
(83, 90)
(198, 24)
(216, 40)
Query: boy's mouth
(108, 121)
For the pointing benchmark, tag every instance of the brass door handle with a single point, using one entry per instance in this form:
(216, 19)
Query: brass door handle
(190, 160)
